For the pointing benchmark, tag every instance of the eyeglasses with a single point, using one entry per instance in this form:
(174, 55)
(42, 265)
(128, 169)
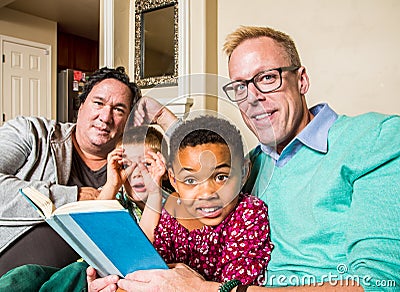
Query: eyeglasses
(265, 81)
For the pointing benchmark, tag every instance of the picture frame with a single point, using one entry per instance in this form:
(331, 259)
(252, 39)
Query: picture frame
(156, 43)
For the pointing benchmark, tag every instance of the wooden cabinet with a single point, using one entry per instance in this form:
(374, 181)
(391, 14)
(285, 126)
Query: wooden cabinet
(75, 52)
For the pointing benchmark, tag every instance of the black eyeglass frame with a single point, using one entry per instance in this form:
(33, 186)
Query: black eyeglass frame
(247, 82)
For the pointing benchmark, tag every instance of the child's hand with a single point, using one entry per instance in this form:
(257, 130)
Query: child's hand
(116, 175)
(155, 163)
(152, 171)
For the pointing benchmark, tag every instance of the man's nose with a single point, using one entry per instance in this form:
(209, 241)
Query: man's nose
(106, 114)
(253, 94)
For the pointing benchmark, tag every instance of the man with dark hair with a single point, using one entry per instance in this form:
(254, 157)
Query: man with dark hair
(105, 73)
(65, 161)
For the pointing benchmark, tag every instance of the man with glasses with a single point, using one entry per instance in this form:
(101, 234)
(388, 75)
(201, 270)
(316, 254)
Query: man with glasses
(333, 197)
(265, 81)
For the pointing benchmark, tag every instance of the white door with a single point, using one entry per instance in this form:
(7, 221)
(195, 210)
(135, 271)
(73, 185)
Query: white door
(26, 82)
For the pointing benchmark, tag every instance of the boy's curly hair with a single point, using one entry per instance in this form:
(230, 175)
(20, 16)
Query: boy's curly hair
(203, 130)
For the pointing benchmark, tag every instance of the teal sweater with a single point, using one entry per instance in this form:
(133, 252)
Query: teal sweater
(336, 215)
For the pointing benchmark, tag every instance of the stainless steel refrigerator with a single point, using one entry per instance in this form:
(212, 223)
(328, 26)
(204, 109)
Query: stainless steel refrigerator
(69, 85)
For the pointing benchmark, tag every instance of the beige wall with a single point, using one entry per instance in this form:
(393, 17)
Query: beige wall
(349, 47)
(121, 34)
(32, 28)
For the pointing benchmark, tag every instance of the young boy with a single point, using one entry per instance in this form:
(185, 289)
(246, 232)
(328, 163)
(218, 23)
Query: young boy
(207, 224)
(141, 148)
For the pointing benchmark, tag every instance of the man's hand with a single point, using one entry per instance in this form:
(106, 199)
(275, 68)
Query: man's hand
(106, 284)
(180, 278)
(150, 111)
(87, 193)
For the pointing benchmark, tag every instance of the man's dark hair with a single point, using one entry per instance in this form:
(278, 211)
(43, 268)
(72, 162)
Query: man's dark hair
(107, 73)
(204, 130)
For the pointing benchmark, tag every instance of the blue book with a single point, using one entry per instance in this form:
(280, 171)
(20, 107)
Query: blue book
(102, 232)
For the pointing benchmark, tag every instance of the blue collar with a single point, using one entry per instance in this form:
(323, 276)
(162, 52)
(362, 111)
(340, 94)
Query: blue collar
(314, 135)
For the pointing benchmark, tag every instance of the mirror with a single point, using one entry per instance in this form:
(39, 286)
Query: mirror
(156, 42)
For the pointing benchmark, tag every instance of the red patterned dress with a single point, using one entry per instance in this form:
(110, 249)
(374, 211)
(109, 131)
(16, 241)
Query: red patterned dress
(238, 248)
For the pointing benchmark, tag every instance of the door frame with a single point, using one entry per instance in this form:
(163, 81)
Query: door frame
(47, 48)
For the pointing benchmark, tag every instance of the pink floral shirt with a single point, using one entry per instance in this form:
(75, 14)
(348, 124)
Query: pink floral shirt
(238, 248)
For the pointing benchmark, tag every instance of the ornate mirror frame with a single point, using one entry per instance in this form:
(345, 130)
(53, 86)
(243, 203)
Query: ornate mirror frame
(141, 7)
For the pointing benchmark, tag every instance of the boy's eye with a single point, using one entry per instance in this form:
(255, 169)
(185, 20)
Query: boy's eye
(190, 181)
(221, 177)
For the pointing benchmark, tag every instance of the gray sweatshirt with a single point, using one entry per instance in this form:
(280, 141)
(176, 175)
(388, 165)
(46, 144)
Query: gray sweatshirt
(33, 152)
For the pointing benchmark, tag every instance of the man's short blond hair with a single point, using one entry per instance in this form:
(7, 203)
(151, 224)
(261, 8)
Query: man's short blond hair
(243, 33)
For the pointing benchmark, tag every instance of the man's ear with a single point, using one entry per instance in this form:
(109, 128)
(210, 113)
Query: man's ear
(304, 82)
(245, 170)
(172, 178)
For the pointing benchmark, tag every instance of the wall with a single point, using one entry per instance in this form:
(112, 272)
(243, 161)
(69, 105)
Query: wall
(198, 21)
(121, 34)
(114, 27)
(32, 28)
(349, 47)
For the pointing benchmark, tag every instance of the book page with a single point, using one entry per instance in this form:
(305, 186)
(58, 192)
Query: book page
(40, 202)
(90, 205)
